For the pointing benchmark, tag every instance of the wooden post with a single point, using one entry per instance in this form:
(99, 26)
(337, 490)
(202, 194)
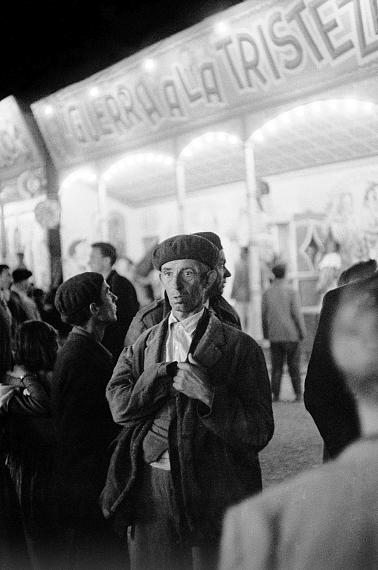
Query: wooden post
(254, 319)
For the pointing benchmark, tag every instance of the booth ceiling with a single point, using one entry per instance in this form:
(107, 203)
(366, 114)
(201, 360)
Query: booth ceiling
(308, 140)
(315, 140)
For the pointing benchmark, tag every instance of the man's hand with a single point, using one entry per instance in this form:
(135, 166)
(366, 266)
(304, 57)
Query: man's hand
(192, 380)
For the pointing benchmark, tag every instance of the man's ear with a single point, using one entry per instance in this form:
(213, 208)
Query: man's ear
(93, 307)
(211, 278)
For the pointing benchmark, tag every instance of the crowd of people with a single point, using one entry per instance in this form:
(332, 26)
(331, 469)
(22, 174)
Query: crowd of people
(130, 436)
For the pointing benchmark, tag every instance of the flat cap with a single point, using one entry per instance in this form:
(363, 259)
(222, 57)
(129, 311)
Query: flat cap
(211, 236)
(77, 293)
(185, 246)
(21, 274)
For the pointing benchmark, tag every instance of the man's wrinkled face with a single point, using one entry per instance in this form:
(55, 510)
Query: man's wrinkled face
(5, 279)
(185, 289)
(108, 308)
(223, 272)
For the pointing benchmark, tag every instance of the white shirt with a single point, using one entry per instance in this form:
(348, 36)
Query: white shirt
(180, 336)
(179, 339)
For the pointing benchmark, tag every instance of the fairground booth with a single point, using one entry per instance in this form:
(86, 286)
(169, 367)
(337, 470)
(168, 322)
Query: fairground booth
(260, 123)
(25, 210)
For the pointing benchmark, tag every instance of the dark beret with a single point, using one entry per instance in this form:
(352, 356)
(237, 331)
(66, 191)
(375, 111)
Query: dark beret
(21, 274)
(77, 293)
(185, 246)
(211, 236)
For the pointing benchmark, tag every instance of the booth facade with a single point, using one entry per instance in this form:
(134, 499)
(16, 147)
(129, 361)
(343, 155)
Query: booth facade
(23, 192)
(260, 123)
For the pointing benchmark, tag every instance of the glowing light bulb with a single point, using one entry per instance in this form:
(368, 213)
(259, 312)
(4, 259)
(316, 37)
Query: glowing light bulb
(94, 91)
(222, 28)
(49, 110)
(149, 65)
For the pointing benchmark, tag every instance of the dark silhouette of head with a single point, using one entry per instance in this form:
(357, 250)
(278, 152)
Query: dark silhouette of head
(279, 270)
(36, 346)
(107, 250)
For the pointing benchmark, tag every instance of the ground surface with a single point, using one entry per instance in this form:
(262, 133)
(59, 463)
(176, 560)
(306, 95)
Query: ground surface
(296, 444)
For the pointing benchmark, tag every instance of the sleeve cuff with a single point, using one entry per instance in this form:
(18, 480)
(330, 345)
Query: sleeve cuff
(205, 410)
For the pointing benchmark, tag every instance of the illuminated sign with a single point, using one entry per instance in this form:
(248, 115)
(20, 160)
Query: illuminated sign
(269, 52)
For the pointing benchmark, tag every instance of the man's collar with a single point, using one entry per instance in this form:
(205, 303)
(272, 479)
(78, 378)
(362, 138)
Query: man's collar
(190, 323)
(82, 332)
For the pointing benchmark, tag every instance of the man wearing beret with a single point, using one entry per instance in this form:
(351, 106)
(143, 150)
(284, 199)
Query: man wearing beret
(84, 426)
(194, 398)
(155, 312)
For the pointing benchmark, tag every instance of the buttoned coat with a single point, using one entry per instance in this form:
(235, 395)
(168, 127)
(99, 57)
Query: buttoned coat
(213, 452)
(325, 519)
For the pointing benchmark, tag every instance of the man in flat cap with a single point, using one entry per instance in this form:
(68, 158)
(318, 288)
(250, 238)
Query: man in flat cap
(84, 426)
(194, 398)
(155, 312)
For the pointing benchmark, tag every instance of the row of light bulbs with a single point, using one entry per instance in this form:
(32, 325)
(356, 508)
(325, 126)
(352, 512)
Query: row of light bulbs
(138, 159)
(316, 108)
(287, 118)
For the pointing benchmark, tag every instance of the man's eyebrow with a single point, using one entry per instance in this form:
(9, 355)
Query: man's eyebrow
(170, 268)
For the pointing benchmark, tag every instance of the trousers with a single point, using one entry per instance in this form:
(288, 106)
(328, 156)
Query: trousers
(281, 352)
(154, 539)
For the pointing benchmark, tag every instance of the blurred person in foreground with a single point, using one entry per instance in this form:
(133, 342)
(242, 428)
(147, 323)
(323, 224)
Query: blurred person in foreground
(83, 423)
(328, 517)
(28, 439)
(193, 396)
(357, 271)
(102, 258)
(327, 396)
(155, 312)
(284, 327)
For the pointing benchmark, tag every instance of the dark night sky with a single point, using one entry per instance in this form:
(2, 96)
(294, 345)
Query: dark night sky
(46, 45)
